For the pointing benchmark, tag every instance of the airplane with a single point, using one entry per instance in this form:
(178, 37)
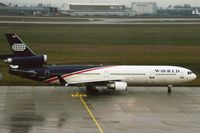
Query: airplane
(25, 63)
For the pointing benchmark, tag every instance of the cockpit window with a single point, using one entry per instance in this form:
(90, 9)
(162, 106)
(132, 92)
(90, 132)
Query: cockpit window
(189, 72)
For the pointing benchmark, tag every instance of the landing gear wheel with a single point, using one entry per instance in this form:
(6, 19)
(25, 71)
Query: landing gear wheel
(169, 89)
(92, 90)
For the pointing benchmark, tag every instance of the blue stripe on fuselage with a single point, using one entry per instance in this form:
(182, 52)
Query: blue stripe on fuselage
(56, 70)
(68, 68)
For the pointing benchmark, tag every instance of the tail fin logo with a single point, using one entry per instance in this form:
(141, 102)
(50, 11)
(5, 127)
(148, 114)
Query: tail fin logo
(18, 47)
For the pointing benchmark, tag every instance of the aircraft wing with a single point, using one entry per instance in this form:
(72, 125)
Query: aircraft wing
(93, 81)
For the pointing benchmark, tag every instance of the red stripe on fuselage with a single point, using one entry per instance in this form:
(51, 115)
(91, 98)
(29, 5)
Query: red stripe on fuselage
(51, 79)
(74, 73)
(82, 71)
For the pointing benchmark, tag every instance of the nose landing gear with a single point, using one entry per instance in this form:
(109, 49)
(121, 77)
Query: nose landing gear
(169, 89)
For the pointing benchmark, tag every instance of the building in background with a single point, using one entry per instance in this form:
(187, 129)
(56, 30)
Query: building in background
(179, 11)
(33, 10)
(94, 9)
(196, 11)
(144, 8)
(137, 9)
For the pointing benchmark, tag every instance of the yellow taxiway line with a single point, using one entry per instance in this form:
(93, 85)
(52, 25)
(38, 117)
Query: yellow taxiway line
(88, 109)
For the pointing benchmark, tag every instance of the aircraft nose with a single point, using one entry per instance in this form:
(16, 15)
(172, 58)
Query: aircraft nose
(194, 76)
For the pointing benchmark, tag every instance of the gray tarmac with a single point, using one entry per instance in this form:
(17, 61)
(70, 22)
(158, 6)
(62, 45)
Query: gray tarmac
(60, 110)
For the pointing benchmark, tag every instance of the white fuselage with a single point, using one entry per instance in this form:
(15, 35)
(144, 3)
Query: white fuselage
(133, 75)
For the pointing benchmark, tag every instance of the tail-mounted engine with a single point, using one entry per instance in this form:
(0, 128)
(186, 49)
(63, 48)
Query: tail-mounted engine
(27, 60)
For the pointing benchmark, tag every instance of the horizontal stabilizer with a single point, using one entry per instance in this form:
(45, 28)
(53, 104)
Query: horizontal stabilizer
(2, 57)
(22, 72)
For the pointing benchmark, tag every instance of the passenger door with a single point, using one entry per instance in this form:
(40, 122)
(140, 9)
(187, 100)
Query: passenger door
(151, 79)
(182, 75)
(106, 74)
(47, 73)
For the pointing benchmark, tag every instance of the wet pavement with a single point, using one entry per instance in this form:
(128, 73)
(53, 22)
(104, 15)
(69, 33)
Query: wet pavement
(60, 110)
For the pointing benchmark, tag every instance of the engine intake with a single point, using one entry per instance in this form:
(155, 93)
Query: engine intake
(28, 60)
(118, 86)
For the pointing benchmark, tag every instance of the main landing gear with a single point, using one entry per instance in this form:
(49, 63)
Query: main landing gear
(169, 89)
(91, 89)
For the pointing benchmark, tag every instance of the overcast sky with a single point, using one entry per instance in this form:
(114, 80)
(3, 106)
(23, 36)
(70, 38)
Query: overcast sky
(161, 3)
